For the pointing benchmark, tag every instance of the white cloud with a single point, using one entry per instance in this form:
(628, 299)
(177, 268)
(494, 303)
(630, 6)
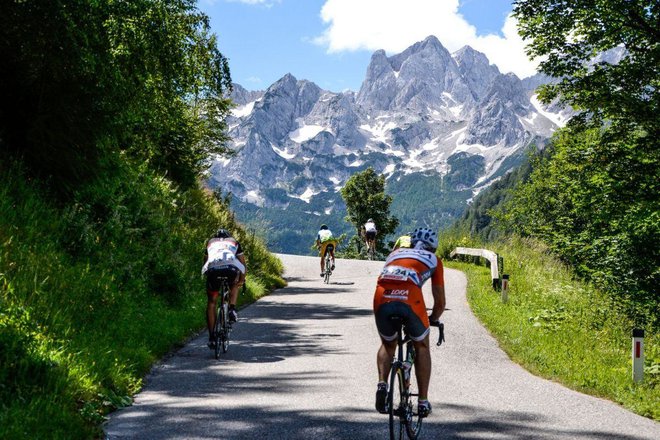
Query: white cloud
(394, 25)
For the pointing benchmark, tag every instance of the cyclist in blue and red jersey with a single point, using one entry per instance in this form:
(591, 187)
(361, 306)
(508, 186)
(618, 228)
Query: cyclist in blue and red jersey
(399, 293)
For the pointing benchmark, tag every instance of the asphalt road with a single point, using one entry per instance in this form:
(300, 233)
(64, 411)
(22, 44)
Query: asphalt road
(302, 366)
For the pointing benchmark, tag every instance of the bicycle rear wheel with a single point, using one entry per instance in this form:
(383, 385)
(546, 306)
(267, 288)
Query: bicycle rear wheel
(326, 278)
(225, 327)
(413, 421)
(396, 403)
(218, 331)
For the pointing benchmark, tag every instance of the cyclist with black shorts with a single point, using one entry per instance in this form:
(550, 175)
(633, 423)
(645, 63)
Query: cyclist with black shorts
(223, 258)
(399, 293)
(326, 242)
(370, 231)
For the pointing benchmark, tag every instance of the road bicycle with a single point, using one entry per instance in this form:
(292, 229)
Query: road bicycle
(371, 251)
(328, 264)
(223, 328)
(403, 414)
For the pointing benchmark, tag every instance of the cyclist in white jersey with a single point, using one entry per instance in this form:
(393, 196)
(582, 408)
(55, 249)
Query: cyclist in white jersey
(370, 232)
(223, 258)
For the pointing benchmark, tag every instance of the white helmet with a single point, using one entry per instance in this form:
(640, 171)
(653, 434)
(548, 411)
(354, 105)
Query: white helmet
(427, 236)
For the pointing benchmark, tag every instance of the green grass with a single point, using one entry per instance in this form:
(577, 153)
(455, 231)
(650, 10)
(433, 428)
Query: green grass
(562, 329)
(95, 290)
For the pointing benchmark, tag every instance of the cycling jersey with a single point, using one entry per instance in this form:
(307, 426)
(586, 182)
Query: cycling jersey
(223, 252)
(402, 278)
(370, 227)
(324, 235)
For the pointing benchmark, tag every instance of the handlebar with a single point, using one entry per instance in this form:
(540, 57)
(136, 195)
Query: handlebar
(441, 331)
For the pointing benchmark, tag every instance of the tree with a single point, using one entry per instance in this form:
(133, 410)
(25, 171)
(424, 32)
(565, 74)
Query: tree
(85, 81)
(568, 34)
(365, 198)
(594, 195)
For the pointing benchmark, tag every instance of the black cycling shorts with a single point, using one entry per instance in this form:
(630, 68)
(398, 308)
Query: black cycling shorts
(413, 326)
(329, 248)
(371, 235)
(214, 277)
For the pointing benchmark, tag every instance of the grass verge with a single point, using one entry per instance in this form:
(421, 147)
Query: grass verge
(562, 329)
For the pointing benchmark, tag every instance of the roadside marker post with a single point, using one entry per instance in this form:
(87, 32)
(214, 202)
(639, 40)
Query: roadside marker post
(638, 355)
(505, 288)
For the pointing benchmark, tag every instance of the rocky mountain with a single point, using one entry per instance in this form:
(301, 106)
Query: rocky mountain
(447, 121)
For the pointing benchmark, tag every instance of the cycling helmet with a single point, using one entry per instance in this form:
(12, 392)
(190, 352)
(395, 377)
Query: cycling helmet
(222, 233)
(427, 236)
(324, 226)
(370, 220)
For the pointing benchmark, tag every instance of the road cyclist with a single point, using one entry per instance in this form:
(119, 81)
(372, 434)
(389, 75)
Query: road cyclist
(399, 294)
(370, 231)
(223, 260)
(326, 243)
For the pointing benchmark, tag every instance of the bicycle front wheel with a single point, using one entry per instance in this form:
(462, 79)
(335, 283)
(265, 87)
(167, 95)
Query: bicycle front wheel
(396, 403)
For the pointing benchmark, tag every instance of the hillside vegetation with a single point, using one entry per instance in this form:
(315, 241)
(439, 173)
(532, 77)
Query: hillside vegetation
(110, 111)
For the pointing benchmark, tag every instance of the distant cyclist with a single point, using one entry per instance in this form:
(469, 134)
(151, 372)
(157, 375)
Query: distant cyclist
(223, 258)
(370, 233)
(399, 293)
(403, 242)
(326, 242)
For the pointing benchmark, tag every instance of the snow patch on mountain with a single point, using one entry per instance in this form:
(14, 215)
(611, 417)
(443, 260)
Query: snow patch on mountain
(243, 110)
(306, 132)
(556, 118)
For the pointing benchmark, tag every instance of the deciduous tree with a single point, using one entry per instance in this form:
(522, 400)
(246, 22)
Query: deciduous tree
(365, 198)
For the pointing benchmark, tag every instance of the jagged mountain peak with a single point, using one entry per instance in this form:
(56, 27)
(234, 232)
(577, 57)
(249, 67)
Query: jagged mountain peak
(423, 111)
(468, 58)
(241, 96)
(416, 79)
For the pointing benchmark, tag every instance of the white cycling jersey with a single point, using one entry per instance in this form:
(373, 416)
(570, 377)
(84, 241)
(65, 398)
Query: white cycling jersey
(370, 227)
(324, 235)
(223, 252)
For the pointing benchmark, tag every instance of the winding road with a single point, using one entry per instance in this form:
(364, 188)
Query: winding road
(302, 366)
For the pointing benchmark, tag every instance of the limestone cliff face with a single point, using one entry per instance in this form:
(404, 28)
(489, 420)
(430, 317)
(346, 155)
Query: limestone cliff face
(423, 110)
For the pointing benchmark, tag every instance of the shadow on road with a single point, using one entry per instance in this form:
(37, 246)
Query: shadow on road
(324, 289)
(246, 421)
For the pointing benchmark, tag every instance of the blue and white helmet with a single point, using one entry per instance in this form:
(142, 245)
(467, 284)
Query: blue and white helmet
(427, 237)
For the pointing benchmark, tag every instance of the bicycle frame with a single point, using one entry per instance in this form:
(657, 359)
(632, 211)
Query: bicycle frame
(404, 411)
(408, 420)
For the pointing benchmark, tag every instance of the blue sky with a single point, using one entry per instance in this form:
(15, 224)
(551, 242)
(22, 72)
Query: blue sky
(330, 42)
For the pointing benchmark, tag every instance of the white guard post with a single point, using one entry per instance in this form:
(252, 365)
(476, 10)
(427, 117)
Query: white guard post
(638, 355)
(505, 288)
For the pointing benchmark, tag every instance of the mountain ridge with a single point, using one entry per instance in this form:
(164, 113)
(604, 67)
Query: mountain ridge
(424, 110)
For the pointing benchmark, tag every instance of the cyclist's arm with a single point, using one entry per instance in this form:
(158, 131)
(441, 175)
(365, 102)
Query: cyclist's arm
(439, 302)
(241, 280)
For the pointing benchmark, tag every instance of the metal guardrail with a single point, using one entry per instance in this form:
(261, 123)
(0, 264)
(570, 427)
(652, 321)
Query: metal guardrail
(496, 263)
